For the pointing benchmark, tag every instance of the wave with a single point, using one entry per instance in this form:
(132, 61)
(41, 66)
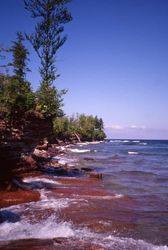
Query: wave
(88, 143)
(38, 179)
(129, 142)
(115, 141)
(51, 227)
(45, 229)
(64, 160)
(117, 243)
(133, 153)
(125, 141)
(76, 150)
(40, 182)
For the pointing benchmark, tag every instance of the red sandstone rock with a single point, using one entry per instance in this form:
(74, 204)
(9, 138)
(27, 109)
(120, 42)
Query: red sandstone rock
(82, 192)
(18, 197)
(78, 181)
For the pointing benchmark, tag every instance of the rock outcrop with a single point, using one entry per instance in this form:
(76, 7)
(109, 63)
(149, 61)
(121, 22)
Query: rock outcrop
(18, 142)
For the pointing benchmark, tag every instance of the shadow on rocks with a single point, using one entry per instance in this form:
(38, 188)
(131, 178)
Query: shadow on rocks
(8, 216)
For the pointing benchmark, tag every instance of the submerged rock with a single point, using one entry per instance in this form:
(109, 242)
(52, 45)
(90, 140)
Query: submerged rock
(87, 169)
(13, 198)
(48, 244)
(9, 216)
(96, 175)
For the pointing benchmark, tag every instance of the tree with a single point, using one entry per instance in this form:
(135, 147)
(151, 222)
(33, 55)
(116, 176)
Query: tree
(20, 58)
(49, 101)
(16, 98)
(81, 128)
(46, 41)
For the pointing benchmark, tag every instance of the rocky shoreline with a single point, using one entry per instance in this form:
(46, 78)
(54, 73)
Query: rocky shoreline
(41, 162)
(28, 155)
(28, 150)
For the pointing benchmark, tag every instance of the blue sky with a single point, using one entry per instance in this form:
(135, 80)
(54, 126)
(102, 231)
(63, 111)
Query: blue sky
(114, 63)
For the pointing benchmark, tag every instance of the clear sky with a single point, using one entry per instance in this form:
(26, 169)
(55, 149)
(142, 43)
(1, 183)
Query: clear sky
(114, 63)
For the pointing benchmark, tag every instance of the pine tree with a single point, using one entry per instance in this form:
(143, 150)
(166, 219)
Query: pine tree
(46, 40)
(19, 58)
(16, 96)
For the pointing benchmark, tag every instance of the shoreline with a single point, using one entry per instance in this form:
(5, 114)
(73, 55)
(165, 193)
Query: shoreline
(46, 160)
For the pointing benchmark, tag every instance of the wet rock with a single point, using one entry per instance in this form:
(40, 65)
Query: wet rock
(50, 244)
(80, 181)
(75, 244)
(87, 169)
(89, 159)
(53, 163)
(25, 164)
(42, 147)
(41, 160)
(96, 175)
(18, 140)
(40, 153)
(17, 197)
(9, 216)
(27, 244)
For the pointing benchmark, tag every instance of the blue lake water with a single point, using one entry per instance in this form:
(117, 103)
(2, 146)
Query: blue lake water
(137, 169)
(131, 212)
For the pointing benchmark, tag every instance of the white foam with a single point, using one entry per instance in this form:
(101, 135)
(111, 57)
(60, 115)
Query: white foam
(76, 150)
(87, 143)
(82, 143)
(45, 229)
(129, 243)
(95, 142)
(108, 197)
(41, 227)
(40, 179)
(51, 228)
(118, 196)
(143, 143)
(133, 153)
(115, 141)
(62, 148)
(63, 160)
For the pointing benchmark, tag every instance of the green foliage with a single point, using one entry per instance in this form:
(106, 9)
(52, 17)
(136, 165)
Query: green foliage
(87, 128)
(63, 128)
(15, 97)
(20, 57)
(91, 128)
(49, 101)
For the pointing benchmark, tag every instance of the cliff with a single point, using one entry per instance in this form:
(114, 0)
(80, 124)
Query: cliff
(17, 142)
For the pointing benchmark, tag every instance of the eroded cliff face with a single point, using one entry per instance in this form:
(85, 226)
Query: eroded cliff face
(17, 142)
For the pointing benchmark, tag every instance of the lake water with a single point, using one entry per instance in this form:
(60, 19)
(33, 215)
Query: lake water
(127, 209)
